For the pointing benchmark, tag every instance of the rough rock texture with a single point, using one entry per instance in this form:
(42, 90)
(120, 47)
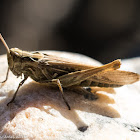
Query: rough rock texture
(40, 113)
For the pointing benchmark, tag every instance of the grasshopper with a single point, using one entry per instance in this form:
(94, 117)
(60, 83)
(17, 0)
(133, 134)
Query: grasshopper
(45, 68)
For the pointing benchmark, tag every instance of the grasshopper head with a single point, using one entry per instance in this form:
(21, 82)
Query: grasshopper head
(12, 57)
(14, 61)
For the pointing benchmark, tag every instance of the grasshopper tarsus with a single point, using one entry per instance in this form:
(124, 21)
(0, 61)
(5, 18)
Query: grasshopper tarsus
(3, 81)
(10, 102)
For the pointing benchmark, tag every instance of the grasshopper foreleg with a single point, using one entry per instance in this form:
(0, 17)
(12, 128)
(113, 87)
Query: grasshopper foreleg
(20, 84)
(6, 76)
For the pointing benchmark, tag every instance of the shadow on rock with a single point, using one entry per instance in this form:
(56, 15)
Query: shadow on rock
(38, 96)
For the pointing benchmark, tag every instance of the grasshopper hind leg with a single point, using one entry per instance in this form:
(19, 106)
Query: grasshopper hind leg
(90, 95)
(86, 92)
(57, 81)
(88, 89)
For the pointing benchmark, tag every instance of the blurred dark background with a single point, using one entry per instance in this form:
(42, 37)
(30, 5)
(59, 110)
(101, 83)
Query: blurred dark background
(102, 29)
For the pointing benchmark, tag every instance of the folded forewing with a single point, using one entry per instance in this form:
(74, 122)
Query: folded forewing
(116, 77)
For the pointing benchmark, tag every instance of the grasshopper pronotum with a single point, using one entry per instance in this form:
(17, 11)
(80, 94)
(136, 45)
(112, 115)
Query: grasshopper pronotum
(45, 68)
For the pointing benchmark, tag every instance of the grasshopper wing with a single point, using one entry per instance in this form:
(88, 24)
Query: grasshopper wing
(75, 78)
(116, 77)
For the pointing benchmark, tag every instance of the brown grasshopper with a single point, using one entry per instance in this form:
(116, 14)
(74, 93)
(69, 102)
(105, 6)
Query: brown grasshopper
(45, 68)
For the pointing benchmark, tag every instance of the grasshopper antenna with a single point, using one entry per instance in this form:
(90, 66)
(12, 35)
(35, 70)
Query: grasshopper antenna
(5, 44)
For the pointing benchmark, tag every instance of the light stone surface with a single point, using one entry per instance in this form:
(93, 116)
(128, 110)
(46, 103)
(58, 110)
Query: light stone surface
(40, 113)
